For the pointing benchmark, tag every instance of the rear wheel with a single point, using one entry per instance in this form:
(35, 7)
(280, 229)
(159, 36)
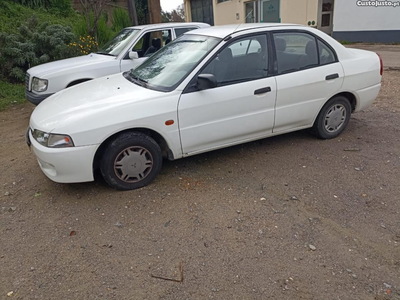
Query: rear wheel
(132, 160)
(333, 118)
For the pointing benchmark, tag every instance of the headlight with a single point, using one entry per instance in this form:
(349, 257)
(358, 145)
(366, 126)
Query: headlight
(52, 140)
(39, 85)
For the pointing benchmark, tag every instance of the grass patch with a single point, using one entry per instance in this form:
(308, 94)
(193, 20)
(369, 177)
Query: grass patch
(11, 94)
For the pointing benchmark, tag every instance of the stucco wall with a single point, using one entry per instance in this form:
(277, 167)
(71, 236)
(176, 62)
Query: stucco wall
(365, 24)
(225, 12)
(299, 11)
(291, 11)
(350, 17)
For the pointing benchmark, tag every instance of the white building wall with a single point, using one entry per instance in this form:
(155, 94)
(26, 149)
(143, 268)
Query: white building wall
(365, 23)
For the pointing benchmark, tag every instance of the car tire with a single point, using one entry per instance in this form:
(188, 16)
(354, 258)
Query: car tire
(333, 118)
(130, 161)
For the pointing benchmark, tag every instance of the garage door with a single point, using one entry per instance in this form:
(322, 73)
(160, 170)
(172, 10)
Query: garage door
(202, 11)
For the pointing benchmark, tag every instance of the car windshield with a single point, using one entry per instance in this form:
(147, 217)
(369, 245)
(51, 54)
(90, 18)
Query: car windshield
(170, 65)
(118, 43)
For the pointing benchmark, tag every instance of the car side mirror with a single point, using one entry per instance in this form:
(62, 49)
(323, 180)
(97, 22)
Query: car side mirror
(133, 55)
(206, 81)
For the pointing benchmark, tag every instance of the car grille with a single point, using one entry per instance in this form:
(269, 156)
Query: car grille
(27, 77)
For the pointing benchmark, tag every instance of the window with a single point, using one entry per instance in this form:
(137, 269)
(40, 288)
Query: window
(295, 51)
(243, 60)
(169, 66)
(118, 43)
(151, 42)
(326, 55)
(180, 31)
(220, 1)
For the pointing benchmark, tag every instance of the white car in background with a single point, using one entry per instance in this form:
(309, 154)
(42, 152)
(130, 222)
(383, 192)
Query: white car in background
(131, 47)
(211, 88)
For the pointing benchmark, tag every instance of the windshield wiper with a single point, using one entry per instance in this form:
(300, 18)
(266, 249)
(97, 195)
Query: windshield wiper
(105, 53)
(137, 80)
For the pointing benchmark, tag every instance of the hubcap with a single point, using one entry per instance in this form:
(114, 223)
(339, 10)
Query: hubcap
(133, 164)
(335, 118)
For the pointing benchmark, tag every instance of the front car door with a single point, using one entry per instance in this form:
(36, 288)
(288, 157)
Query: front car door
(308, 74)
(148, 44)
(240, 108)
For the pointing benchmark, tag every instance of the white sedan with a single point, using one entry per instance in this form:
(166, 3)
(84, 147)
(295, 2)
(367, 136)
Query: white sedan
(211, 88)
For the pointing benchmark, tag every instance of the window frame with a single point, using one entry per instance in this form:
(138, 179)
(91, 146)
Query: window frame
(144, 32)
(316, 37)
(191, 86)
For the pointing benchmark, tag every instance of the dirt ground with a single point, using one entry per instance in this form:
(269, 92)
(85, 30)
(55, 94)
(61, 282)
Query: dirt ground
(289, 217)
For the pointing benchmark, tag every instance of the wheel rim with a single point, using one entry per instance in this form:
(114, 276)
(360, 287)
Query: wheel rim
(335, 118)
(133, 164)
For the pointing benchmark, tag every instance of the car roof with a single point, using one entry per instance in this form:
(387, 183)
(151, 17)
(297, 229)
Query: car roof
(169, 25)
(225, 30)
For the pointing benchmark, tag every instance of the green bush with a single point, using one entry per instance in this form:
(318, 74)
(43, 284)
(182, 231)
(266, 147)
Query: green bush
(35, 44)
(61, 7)
(120, 19)
(13, 15)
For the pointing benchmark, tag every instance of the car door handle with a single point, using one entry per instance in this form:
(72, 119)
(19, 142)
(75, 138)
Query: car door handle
(332, 76)
(262, 91)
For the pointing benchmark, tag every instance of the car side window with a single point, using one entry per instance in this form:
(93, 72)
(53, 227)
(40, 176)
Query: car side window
(243, 60)
(295, 51)
(326, 55)
(180, 31)
(151, 42)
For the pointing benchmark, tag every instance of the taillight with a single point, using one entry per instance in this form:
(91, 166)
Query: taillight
(381, 62)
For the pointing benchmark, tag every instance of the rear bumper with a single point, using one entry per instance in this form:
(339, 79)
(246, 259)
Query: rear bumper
(367, 96)
(64, 165)
(35, 98)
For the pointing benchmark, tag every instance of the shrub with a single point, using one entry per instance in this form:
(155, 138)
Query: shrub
(61, 7)
(120, 19)
(85, 45)
(35, 44)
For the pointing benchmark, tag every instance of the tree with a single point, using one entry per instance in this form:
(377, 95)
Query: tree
(96, 7)
(132, 12)
(176, 15)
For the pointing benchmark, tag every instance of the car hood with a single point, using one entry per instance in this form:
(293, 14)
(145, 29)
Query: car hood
(86, 99)
(46, 70)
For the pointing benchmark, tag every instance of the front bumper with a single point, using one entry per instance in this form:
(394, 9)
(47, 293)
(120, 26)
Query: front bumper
(35, 98)
(64, 165)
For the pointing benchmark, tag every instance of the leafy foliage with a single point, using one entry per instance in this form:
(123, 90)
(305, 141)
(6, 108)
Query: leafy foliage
(35, 44)
(85, 45)
(120, 19)
(13, 15)
(61, 7)
(176, 15)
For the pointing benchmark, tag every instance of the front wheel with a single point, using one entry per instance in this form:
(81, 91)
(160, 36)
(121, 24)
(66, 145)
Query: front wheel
(132, 160)
(333, 118)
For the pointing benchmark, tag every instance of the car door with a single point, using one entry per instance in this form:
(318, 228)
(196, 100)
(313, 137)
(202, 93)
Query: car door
(240, 108)
(148, 44)
(308, 74)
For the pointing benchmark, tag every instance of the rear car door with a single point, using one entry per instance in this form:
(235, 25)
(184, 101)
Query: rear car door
(308, 73)
(240, 108)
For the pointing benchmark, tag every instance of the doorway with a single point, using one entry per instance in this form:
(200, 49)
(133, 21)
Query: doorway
(202, 11)
(325, 15)
(251, 12)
